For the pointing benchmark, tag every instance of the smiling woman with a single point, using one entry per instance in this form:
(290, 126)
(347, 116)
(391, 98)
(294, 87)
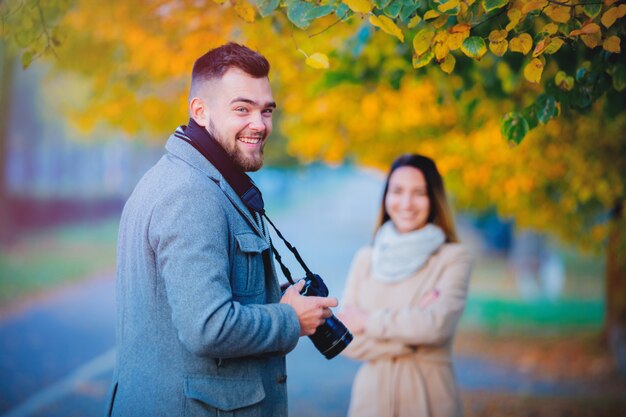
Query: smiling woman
(404, 297)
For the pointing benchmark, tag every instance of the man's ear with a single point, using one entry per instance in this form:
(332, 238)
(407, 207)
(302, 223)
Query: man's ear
(199, 112)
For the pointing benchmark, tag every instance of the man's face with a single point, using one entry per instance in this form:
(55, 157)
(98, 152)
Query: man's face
(239, 116)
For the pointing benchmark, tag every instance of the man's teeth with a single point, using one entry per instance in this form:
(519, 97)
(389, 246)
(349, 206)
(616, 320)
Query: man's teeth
(249, 140)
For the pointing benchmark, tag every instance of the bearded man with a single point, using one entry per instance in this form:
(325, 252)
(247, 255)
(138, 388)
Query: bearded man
(202, 327)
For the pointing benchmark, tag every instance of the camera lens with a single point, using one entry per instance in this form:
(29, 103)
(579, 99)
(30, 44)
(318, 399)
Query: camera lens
(331, 337)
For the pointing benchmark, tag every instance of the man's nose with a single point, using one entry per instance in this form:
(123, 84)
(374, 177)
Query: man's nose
(257, 123)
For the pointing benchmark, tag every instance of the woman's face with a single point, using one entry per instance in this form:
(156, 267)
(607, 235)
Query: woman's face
(407, 199)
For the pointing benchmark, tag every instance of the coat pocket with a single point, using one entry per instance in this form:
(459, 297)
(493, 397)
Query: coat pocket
(249, 273)
(224, 396)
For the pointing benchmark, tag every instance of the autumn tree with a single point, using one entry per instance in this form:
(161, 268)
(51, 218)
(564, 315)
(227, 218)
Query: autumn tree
(366, 80)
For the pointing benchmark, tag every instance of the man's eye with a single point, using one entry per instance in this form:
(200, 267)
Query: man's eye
(241, 109)
(268, 111)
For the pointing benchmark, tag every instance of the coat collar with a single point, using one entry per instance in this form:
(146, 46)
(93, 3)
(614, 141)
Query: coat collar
(190, 155)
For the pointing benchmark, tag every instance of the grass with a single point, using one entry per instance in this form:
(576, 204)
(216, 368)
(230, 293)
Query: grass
(45, 259)
(495, 306)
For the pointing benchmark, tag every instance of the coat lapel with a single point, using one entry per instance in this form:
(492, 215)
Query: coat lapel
(189, 154)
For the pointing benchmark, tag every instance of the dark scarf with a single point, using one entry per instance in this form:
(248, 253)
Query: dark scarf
(206, 144)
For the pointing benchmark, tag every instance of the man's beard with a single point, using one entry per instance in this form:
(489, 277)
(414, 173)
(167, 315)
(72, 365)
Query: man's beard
(246, 163)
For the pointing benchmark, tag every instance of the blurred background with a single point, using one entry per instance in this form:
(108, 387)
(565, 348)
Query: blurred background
(90, 93)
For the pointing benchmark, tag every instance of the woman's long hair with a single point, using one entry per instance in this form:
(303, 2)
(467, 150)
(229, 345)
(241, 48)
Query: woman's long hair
(440, 213)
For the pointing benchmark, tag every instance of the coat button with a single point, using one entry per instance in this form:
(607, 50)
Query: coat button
(281, 379)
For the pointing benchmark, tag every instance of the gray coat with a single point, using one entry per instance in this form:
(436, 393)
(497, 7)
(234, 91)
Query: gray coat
(199, 328)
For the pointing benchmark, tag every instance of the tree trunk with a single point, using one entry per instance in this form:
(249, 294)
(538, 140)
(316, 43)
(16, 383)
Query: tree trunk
(616, 288)
(6, 72)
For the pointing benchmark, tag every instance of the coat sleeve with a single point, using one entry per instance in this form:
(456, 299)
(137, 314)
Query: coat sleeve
(364, 347)
(436, 323)
(190, 236)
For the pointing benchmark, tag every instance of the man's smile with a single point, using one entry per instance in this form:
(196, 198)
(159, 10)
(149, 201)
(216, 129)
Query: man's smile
(253, 140)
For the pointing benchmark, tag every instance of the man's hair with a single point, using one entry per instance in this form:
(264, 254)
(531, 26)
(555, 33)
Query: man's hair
(215, 63)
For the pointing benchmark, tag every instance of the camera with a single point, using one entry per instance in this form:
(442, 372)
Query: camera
(333, 336)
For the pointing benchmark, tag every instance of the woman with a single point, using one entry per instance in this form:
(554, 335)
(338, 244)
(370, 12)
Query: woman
(403, 299)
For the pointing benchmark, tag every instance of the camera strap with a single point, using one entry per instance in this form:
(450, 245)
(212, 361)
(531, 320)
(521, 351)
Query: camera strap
(198, 137)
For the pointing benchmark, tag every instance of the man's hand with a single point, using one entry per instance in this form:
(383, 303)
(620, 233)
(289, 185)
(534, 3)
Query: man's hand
(311, 311)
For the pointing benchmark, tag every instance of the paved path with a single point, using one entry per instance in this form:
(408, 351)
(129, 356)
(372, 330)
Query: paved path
(56, 355)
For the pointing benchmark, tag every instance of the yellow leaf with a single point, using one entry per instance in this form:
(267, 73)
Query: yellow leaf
(441, 51)
(422, 39)
(592, 40)
(587, 29)
(497, 35)
(440, 37)
(609, 2)
(455, 40)
(448, 64)
(550, 28)
(451, 4)
(219, 1)
(554, 45)
(317, 61)
(245, 11)
(522, 43)
(560, 14)
(460, 28)
(563, 81)
(612, 44)
(514, 15)
(533, 5)
(532, 71)
(499, 48)
(431, 14)
(386, 25)
(415, 20)
(610, 16)
(359, 6)
(541, 45)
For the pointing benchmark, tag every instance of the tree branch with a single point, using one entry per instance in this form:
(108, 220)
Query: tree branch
(45, 31)
(331, 25)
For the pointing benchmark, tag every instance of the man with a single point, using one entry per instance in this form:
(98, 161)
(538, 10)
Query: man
(201, 326)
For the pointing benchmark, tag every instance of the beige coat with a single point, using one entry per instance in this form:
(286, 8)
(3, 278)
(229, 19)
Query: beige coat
(407, 340)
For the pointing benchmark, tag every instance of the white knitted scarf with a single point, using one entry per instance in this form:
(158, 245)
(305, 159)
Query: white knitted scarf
(398, 255)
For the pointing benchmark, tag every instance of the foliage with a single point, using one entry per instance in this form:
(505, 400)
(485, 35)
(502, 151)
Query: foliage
(570, 48)
(366, 80)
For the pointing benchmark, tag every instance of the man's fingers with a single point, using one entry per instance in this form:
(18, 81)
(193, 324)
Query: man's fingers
(327, 313)
(328, 302)
(298, 286)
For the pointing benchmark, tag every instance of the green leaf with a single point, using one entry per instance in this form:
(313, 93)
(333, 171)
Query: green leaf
(545, 108)
(619, 78)
(514, 127)
(27, 59)
(530, 115)
(423, 60)
(297, 13)
(319, 11)
(490, 5)
(592, 10)
(474, 47)
(343, 10)
(381, 4)
(265, 7)
(393, 10)
(407, 12)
